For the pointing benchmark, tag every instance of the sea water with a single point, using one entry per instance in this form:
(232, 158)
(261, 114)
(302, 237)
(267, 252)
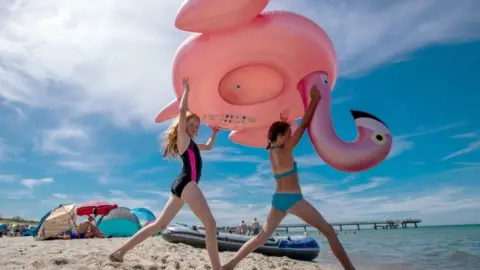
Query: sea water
(436, 247)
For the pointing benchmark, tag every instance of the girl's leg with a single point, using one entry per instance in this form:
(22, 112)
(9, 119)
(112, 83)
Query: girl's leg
(273, 220)
(170, 210)
(194, 198)
(310, 215)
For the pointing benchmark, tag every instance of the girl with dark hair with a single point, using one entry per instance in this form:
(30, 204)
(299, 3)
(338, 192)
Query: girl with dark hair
(288, 196)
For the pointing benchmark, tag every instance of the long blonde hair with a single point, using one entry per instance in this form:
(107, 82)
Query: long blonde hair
(170, 148)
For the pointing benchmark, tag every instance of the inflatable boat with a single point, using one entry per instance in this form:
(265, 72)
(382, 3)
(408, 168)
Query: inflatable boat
(298, 248)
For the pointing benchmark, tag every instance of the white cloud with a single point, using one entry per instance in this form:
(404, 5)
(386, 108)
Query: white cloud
(2, 149)
(321, 192)
(64, 139)
(341, 100)
(12, 107)
(370, 200)
(307, 161)
(165, 194)
(229, 154)
(348, 206)
(107, 179)
(468, 164)
(253, 181)
(7, 178)
(60, 195)
(8, 152)
(429, 199)
(400, 146)
(465, 135)
(114, 57)
(18, 194)
(151, 170)
(439, 201)
(32, 183)
(402, 143)
(212, 192)
(474, 146)
(101, 55)
(417, 162)
(93, 162)
(372, 32)
(120, 193)
(349, 178)
(427, 131)
(77, 165)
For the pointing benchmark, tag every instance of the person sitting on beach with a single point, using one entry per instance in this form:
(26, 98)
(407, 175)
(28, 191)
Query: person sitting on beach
(179, 142)
(255, 227)
(88, 229)
(288, 196)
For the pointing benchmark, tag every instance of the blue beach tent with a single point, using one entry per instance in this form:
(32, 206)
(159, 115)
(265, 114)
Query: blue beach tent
(120, 222)
(143, 215)
(35, 232)
(3, 226)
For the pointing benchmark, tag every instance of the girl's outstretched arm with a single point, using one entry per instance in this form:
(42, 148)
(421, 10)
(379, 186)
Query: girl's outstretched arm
(183, 138)
(314, 100)
(209, 145)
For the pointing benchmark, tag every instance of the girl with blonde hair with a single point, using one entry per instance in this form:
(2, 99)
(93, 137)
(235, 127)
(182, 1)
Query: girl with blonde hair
(179, 142)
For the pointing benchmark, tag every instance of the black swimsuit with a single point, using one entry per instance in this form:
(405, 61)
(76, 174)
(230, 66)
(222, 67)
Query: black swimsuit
(191, 170)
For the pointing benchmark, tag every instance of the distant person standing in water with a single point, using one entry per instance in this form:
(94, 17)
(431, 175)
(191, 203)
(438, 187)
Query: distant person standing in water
(243, 228)
(179, 142)
(255, 226)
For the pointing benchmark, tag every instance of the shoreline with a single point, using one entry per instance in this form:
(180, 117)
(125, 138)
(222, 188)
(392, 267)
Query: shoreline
(153, 253)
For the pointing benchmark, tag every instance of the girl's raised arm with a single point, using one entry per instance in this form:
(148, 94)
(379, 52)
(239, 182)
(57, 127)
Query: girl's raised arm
(314, 100)
(182, 137)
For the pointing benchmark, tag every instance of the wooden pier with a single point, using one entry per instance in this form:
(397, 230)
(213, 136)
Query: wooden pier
(382, 224)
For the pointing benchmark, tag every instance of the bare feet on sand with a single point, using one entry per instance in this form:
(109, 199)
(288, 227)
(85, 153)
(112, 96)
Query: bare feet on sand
(116, 257)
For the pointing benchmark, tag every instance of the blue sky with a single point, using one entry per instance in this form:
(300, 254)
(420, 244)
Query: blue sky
(81, 83)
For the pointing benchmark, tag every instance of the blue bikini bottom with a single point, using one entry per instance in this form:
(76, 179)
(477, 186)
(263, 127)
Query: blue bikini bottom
(285, 201)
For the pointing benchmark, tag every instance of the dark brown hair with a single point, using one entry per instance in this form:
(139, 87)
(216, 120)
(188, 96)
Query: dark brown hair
(276, 129)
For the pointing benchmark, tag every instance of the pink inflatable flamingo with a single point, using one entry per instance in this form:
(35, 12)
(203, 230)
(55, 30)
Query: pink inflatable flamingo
(245, 67)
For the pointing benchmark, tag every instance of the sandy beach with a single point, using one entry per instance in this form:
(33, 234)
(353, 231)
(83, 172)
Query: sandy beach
(154, 253)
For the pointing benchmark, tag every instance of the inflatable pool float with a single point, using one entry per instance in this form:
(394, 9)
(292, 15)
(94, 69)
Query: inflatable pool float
(298, 248)
(246, 66)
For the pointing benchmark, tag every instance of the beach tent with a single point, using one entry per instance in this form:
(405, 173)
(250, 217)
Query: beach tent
(3, 226)
(31, 229)
(120, 222)
(35, 232)
(58, 221)
(143, 215)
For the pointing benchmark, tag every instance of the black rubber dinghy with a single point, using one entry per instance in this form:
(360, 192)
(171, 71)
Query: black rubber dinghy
(298, 248)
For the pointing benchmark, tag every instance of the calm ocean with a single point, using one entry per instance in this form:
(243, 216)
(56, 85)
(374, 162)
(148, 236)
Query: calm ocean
(439, 248)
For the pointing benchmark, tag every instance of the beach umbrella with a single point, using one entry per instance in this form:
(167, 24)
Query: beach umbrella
(97, 208)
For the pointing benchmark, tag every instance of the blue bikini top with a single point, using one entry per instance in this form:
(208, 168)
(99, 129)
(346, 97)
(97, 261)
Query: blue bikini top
(287, 173)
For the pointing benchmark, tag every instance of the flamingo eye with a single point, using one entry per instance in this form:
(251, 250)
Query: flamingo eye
(378, 138)
(324, 78)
